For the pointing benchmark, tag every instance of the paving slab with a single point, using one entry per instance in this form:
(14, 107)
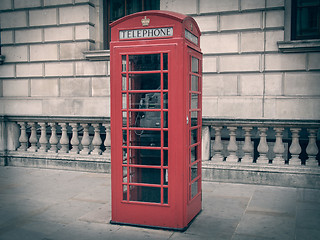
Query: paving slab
(49, 204)
(267, 226)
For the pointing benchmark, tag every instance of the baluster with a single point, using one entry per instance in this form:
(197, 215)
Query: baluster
(312, 149)
(278, 148)
(23, 139)
(85, 142)
(232, 146)
(64, 140)
(263, 146)
(43, 140)
(217, 146)
(107, 141)
(96, 141)
(75, 139)
(33, 139)
(206, 139)
(247, 147)
(295, 148)
(53, 138)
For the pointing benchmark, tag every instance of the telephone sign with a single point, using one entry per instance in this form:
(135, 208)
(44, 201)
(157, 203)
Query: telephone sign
(156, 106)
(146, 33)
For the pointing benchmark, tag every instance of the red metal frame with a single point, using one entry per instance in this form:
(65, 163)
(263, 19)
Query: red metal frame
(148, 188)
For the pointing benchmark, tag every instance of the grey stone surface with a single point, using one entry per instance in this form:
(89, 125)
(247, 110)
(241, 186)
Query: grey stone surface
(59, 204)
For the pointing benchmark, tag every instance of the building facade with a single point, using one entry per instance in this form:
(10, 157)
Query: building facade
(261, 85)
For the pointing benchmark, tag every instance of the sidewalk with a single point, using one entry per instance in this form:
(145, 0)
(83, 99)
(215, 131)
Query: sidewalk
(56, 204)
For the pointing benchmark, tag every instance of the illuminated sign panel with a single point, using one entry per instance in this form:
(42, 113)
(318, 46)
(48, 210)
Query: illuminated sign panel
(191, 37)
(146, 33)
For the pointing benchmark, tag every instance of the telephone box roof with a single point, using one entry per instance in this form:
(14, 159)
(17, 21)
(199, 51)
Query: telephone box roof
(169, 14)
(156, 19)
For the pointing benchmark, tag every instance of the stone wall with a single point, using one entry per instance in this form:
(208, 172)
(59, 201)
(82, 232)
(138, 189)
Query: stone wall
(45, 72)
(245, 74)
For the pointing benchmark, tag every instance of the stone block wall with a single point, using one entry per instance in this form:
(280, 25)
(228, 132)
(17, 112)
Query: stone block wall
(45, 71)
(245, 74)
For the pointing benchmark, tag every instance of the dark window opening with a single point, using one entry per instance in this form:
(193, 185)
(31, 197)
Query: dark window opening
(115, 9)
(305, 19)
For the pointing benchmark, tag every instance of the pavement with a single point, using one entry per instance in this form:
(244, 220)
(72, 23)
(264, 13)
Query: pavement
(48, 204)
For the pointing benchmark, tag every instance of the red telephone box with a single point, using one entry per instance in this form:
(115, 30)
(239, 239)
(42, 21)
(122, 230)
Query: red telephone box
(156, 104)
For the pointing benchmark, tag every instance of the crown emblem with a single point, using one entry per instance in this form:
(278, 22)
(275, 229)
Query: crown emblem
(145, 21)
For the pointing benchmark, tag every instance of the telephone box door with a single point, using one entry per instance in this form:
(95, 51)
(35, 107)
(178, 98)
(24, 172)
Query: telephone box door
(194, 113)
(148, 183)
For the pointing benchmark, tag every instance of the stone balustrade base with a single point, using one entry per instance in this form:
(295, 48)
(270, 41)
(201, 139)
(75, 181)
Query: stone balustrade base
(284, 175)
(87, 163)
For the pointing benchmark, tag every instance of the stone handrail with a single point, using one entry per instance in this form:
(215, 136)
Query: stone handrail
(59, 135)
(260, 142)
(229, 142)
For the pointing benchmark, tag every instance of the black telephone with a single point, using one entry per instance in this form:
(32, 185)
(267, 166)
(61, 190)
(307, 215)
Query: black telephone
(150, 119)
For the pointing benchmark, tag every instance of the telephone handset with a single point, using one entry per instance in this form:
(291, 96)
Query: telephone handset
(149, 119)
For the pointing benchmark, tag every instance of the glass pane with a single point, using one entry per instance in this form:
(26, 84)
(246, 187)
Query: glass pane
(124, 190)
(134, 156)
(194, 65)
(124, 156)
(165, 61)
(194, 136)
(194, 189)
(194, 119)
(194, 83)
(148, 81)
(194, 171)
(194, 154)
(305, 3)
(117, 9)
(145, 100)
(165, 157)
(124, 119)
(165, 100)
(194, 101)
(307, 19)
(165, 119)
(134, 137)
(146, 157)
(165, 177)
(124, 174)
(124, 82)
(151, 5)
(146, 62)
(133, 6)
(165, 138)
(145, 119)
(165, 81)
(165, 195)
(124, 101)
(145, 138)
(146, 175)
(124, 63)
(124, 137)
(145, 194)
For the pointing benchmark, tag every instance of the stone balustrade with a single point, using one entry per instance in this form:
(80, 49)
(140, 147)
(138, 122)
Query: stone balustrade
(65, 137)
(277, 143)
(58, 141)
(284, 153)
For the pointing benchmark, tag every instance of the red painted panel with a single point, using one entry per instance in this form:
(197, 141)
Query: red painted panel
(150, 112)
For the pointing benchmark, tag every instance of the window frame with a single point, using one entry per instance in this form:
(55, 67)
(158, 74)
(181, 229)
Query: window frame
(107, 16)
(289, 45)
(294, 24)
